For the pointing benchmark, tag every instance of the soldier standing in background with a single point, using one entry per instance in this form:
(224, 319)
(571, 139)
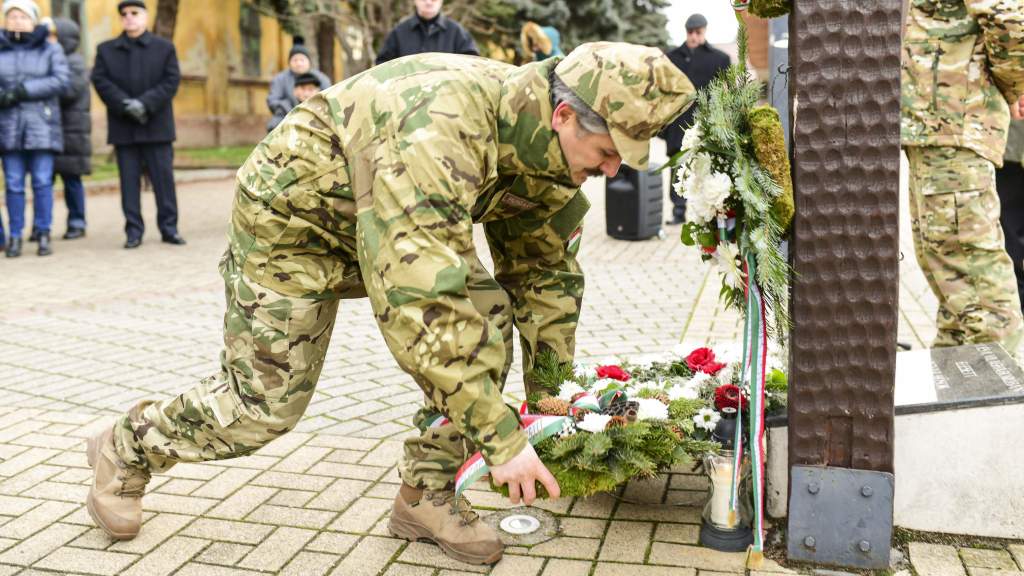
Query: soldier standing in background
(963, 78)
(371, 188)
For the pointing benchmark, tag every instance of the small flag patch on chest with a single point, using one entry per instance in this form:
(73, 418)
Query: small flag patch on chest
(573, 244)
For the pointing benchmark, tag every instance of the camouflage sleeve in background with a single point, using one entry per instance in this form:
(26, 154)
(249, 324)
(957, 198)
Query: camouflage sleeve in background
(414, 238)
(535, 261)
(1002, 29)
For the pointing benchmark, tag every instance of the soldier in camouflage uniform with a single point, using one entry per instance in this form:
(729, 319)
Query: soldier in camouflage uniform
(963, 77)
(371, 188)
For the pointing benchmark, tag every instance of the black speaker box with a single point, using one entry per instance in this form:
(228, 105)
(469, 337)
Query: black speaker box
(633, 203)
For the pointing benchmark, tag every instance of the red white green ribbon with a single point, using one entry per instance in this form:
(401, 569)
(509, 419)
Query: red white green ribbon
(537, 428)
(755, 359)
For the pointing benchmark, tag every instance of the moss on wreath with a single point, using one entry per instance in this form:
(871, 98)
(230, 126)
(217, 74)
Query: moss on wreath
(769, 8)
(770, 151)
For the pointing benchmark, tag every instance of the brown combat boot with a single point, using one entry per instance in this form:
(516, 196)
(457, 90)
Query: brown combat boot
(445, 521)
(115, 498)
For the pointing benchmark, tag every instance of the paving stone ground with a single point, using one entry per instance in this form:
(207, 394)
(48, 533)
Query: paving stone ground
(89, 331)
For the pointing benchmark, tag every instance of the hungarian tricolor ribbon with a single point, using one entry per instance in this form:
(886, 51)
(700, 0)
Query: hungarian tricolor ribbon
(537, 428)
(753, 368)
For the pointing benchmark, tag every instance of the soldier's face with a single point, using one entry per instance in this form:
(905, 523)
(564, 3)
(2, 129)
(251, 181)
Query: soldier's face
(427, 9)
(587, 153)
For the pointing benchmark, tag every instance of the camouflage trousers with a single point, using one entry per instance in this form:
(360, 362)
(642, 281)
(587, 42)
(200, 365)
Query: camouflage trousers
(954, 212)
(274, 350)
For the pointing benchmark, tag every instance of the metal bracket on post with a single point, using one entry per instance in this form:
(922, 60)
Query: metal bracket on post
(840, 517)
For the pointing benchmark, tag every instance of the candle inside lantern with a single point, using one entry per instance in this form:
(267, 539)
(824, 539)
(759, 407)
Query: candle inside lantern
(720, 471)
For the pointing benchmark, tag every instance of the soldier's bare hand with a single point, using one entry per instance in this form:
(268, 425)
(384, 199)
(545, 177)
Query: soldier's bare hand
(522, 473)
(1017, 109)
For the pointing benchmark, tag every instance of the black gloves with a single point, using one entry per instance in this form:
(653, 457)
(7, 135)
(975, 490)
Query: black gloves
(9, 98)
(136, 110)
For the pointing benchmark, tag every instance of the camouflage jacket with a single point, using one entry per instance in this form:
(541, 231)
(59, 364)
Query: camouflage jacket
(963, 61)
(372, 186)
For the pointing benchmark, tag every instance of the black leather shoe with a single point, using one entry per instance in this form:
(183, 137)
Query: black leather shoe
(133, 243)
(44, 244)
(74, 233)
(34, 236)
(13, 248)
(175, 239)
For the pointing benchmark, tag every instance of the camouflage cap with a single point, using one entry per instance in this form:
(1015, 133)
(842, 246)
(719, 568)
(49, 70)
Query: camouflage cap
(636, 89)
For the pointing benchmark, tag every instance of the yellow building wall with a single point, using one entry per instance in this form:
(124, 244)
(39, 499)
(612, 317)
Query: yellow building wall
(216, 103)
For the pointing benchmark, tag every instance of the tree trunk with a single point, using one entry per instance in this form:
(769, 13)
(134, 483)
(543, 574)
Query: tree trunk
(166, 19)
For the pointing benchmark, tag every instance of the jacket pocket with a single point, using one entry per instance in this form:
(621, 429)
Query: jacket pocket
(935, 83)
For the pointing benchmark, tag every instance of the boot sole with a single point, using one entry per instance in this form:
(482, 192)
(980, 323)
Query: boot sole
(414, 532)
(91, 450)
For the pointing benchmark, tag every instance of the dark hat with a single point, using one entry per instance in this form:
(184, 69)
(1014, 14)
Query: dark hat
(696, 21)
(126, 3)
(299, 47)
(307, 78)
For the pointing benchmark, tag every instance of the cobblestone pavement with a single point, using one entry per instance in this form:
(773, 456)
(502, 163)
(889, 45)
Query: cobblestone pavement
(87, 332)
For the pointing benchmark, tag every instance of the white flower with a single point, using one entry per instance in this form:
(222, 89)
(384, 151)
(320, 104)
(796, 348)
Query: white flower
(683, 391)
(594, 422)
(706, 419)
(651, 409)
(681, 350)
(725, 257)
(608, 361)
(725, 374)
(698, 379)
(569, 389)
(704, 190)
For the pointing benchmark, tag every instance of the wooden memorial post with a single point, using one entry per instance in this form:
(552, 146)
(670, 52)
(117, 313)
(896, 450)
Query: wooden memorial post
(845, 107)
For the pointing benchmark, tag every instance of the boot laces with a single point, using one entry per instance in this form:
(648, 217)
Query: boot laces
(460, 506)
(133, 483)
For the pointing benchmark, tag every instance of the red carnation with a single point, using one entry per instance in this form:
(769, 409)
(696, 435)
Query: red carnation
(703, 360)
(729, 396)
(613, 372)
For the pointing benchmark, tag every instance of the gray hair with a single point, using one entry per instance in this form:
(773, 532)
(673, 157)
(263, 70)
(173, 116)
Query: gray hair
(589, 121)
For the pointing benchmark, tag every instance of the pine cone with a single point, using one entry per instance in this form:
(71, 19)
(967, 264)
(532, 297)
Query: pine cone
(553, 406)
(616, 422)
(662, 397)
(626, 409)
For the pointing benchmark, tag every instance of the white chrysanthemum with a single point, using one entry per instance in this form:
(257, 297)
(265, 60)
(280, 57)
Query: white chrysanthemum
(698, 379)
(707, 419)
(680, 391)
(568, 389)
(725, 257)
(681, 350)
(594, 422)
(705, 191)
(725, 374)
(651, 409)
(691, 139)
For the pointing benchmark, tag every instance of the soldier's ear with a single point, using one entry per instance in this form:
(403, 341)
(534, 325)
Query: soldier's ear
(562, 117)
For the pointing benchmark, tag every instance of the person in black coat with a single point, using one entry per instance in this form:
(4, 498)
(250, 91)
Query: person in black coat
(701, 62)
(427, 31)
(76, 160)
(136, 76)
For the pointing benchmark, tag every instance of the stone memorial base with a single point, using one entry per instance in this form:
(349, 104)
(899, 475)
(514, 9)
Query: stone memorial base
(959, 443)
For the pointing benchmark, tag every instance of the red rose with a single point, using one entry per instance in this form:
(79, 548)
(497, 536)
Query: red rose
(699, 357)
(613, 372)
(703, 360)
(729, 396)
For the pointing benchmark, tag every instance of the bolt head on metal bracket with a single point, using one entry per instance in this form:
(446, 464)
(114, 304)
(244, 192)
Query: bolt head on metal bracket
(840, 517)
